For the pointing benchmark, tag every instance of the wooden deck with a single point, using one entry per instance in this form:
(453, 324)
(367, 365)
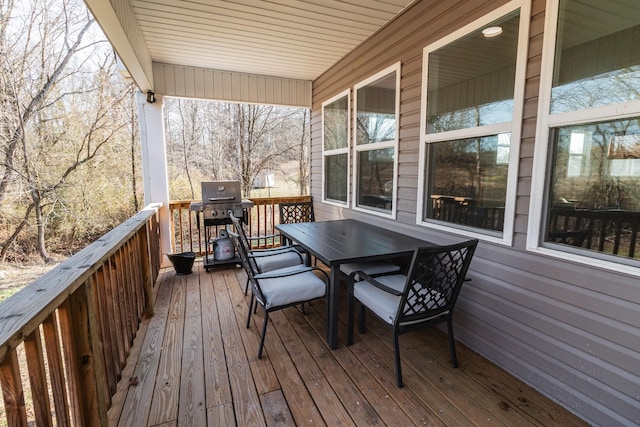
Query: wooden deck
(195, 364)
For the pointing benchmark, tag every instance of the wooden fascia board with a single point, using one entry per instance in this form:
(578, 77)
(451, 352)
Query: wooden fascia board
(117, 20)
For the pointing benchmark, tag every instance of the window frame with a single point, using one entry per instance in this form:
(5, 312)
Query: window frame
(396, 67)
(541, 157)
(514, 127)
(338, 151)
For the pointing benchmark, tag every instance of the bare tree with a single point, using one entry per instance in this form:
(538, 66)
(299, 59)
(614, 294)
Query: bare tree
(304, 159)
(53, 66)
(63, 109)
(257, 140)
(215, 141)
(135, 149)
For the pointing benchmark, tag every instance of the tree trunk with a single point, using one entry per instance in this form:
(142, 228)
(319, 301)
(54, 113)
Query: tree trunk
(41, 226)
(7, 243)
(303, 158)
(134, 126)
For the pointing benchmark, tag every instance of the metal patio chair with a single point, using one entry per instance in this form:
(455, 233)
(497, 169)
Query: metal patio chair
(425, 296)
(281, 288)
(265, 260)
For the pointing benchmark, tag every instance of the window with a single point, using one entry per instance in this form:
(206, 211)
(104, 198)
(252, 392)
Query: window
(473, 84)
(588, 142)
(335, 143)
(376, 139)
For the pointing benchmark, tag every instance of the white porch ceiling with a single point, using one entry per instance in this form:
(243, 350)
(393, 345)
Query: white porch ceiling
(294, 39)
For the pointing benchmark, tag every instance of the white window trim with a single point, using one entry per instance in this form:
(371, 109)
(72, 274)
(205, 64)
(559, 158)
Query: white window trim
(540, 155)
(325, 153)
(377, 145)
(514, 127)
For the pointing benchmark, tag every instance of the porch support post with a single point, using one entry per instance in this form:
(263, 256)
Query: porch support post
(154, 166)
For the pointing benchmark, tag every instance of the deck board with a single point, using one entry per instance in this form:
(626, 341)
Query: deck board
(195, 363)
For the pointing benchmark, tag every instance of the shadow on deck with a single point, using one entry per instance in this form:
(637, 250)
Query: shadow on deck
(194, 363)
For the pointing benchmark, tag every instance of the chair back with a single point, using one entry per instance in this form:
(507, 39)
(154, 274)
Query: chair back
(242, 235)
(434, 280)
(249, 264)
(295, 212)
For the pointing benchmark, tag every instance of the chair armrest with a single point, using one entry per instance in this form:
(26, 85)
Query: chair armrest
(275, 274)
(261, 254)
(371, 280)
(271, 251)
(267, 236)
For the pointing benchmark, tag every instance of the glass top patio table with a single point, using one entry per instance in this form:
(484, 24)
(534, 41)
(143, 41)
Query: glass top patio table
(346, 241)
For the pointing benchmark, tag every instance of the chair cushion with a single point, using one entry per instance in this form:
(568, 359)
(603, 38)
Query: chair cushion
(368, 267)
(384, 304)
(279, 260)
(279, 291)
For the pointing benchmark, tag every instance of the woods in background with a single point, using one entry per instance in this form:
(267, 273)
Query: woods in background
(69, 144)
(65, 126)
(221, 141)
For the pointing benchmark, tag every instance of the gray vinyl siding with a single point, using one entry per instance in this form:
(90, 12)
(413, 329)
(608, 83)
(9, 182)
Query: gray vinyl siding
(201, 83)
(569, 330)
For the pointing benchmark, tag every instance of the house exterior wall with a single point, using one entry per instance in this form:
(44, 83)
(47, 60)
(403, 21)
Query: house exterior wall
(570, 330)
(202, 83)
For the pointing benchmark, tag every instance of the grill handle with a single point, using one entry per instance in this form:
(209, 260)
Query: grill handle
(220, 199)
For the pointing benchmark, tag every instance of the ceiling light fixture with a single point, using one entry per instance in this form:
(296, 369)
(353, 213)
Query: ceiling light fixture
(492, 31)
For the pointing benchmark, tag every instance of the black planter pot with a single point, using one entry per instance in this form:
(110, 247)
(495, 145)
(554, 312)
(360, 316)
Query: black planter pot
(182, 262)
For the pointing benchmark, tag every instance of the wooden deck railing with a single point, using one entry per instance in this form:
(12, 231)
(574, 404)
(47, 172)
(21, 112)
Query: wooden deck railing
(463, 210)
(73, 328)
(609, 231)
(263, 217)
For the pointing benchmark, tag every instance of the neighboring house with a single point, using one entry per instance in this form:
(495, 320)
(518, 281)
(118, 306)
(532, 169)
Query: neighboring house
(516, 122)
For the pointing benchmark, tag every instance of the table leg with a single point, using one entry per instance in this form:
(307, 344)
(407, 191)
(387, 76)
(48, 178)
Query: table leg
(333, 306)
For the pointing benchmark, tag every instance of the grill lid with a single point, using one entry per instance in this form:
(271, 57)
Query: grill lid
(220, 191)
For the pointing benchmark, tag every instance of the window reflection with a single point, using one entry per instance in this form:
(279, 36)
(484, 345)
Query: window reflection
(335, 143)
(375, 141)
(335, 176)
(594, 196)
(376, 111)
(375, 173)
(467, 183)
(593, 190)
(336, 124)
(596, 65)
(471, 80)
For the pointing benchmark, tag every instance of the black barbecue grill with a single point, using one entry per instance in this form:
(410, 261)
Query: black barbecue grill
(219, 199)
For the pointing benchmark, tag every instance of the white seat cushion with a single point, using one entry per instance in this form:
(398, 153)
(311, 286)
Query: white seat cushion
(384, 304)
(368, 267)
(280, 291)
(278, 260)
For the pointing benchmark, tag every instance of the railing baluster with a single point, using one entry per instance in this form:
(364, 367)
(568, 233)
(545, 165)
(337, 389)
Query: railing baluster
(107, 325)
(12, 391)
(145, 263)
(71, 362)
(117, 310)
(56, 371)
(38, 378)
(89, 363)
